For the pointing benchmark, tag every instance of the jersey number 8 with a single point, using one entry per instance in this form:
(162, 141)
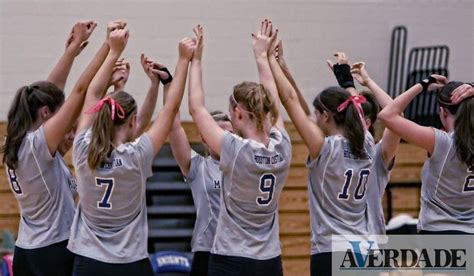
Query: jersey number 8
(14, 182)
(266, 186)
(469, 178)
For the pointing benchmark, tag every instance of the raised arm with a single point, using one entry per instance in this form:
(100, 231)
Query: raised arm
(145, 112)
(262, 42)
(162, 125)
(120, 75)
(390, 141)
(289, 76)
(62, 122)
(179, 142)
(117, 41)
(311, 134)
(342, 72)
(76, 42)
(208, 128)
(410, 131)
(359, 72)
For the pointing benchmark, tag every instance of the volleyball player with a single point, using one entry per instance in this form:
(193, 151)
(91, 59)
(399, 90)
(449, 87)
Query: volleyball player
(447, 177)
(341, 153)
(113, 160)
(385, 149)
(203, 175)
(254, 162)
(38, 120)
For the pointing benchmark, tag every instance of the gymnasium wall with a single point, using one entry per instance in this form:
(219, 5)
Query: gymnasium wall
(32, 35)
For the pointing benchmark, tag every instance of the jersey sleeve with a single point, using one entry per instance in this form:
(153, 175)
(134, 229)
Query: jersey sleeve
(39, 146)
(230, 147)
(378, 159)
(284, 140)
(323, 154)
(42, 158)
(196, 160)
(80, 146)
(379, 171)
(442, 143)
(144, 150)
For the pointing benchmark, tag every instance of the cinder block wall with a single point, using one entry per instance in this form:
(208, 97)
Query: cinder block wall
(32, 35)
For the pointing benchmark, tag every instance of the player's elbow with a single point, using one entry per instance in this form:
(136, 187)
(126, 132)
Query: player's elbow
(289, 100)
(194, 109)
(384, 116)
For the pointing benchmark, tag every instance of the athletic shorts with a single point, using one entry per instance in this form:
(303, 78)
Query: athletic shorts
(84, 266)
(321, 264)
(51, 260)
(200, 263)
(235, 266)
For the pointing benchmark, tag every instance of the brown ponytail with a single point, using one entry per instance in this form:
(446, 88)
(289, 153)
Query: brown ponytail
(23, 114)
(371, 109)
(257, 101)
(103, 128)
(329, 100)
(463, 123)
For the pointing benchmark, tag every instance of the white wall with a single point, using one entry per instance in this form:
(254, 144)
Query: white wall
(32, 35)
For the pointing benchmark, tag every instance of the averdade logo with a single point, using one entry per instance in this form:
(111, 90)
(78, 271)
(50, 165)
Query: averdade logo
(414, 253)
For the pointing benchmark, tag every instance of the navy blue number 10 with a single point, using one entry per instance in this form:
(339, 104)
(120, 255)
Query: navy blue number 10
(363, 177)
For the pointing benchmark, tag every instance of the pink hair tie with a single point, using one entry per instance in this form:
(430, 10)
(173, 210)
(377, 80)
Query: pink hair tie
(113, 104)
(357, 101)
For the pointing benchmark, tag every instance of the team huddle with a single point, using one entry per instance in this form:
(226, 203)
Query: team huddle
(236, 231)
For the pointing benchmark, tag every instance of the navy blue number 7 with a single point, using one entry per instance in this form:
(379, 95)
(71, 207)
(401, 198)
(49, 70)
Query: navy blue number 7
(267, 185)
(105, 202)
(469, 178)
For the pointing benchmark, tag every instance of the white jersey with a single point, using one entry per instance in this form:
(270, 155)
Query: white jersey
(254, 176)
(44, 188)
(204, 178)
(110, 224)
(447, 189)
(378, 180)
(338, 184)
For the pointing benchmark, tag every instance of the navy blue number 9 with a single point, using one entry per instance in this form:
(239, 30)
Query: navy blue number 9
(105, 202)
(14, 182)
(267, 185)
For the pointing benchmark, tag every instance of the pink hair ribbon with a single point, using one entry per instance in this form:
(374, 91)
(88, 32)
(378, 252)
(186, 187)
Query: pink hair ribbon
(113, 104)
(357, 101)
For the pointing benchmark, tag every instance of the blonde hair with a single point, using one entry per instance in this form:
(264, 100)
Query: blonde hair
(257, 101)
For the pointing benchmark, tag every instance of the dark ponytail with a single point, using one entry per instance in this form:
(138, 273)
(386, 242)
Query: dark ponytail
(23, 114)
(463, 123)
(371, 109)
(464, 132)
(103, 128)
(329, 100)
